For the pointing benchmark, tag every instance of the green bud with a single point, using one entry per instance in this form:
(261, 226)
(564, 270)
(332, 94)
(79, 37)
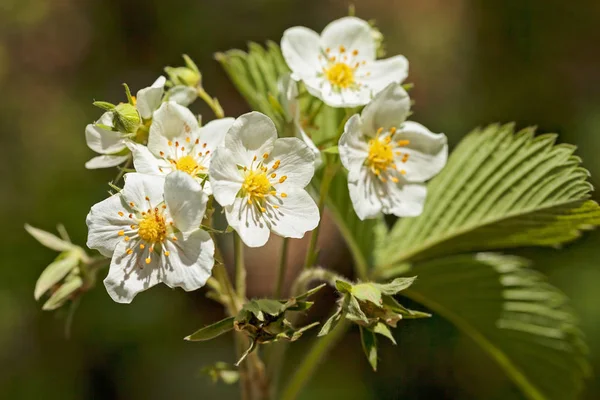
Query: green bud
(183, 76)
(126, 118)
(379, 40)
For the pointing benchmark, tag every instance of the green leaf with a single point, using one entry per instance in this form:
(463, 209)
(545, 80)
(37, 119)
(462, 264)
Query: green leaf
(343, 286)
(104, 105)
(331, 322)
(511, 311)
(55, 272)
(271, 307)
(212, 331)
(500, 189)
(369, 345)
(384, 330)
(309, 292)
(395, 286)
(367, 292)
(63, 293)
(353, 311)
(49, 240)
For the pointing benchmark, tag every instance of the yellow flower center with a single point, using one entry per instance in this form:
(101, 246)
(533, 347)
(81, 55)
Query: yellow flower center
(380, 156)
(188, 165)
(340, 75)
(256, 185)
(153, 228)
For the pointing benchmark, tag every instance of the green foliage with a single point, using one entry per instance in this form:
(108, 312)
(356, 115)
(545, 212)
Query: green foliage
(212, 331)
(514, 314)
(500, 189)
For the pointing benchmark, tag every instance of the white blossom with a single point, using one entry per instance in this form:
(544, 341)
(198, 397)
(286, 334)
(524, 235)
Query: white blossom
(177, 143)
(103, 138)
(389, 158)
(339, 66)
(260, 181)
(150, 230)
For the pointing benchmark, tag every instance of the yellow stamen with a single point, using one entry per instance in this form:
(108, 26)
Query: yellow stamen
(340, 75)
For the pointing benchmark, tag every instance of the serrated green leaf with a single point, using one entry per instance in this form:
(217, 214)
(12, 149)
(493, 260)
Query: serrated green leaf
(500, 189)
(212, 331)
(331, 322)
(367, 292)
(395, 286)
(49, 240)
(63, 293)
(55, 272)
(271, 307)
(343, 286)
(384, 330)
(310, 292)
(369, 345)
(354, 312)
(511, 311)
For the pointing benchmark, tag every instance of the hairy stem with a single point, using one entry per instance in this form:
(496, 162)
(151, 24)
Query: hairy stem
(240, 268)
(213, 103)
(282, 268)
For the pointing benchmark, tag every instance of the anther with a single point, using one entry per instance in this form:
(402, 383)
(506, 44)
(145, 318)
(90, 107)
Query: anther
(170, 143)
(142, 246)
(148, 260)
(266, 155)
(121, 233)
(187, 139)
(393, 130)
(162, 154)
(355, 53)
(273, 175)
(121, 213)
(284, 195)
(403, 142)
(167, 253)
(282, 179)
(129, 251)
(132, 204)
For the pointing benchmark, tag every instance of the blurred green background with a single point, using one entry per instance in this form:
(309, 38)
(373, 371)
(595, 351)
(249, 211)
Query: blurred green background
(473, 62)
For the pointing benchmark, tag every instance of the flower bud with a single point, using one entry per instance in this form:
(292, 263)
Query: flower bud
(126, 118)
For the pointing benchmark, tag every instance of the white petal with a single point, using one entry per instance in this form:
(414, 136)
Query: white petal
(190, 261)
(171, 122)
(352, 146)
(352, 33)
(144, 161)
(296, 215)
(104, 224)
(186, 201)
(288, 93)
(427, 151)
(106, 161)
(296, 161)
(139, 186)
(149, 99)
(101, 140)
(301, 49)
(213, 133)
(404, 199)
(384, 72)
(251, 134)
(311, 145)
(390, 108)
(365, 192)
(344, 98)
(225, 179)
(248, 223)
(183, 95)
(129, 274)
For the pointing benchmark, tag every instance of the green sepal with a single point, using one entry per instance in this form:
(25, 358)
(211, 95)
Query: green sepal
(56, 271)
(212, 331)
(369, 345)
(49, 240)
(104, 105)
(63, 293)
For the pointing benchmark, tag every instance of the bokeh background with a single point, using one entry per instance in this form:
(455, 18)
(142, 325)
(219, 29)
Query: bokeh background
(473, 62)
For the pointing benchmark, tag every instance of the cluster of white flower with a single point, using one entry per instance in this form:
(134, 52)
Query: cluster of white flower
(153, 228)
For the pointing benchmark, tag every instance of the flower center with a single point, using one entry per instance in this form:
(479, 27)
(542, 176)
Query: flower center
(152, 228)
(256, 185)
(188, 165)
(380, 156)
(340, 75)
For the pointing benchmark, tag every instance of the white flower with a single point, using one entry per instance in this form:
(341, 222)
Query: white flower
(150, 229)
(388, 158)
(340, 65)
(259, 180)
(103, 138)
(288, 90)
(176, 142)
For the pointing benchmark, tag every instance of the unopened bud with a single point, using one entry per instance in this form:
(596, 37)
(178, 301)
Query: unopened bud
(126, 118)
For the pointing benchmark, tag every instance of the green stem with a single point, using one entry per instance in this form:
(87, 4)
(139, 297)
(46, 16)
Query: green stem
(122, 170)
(240, 268)
(328, 175)
(282, 268)
(213, 103)
(311, 361)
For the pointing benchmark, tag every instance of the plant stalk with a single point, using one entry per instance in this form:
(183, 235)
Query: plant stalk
(282, 268)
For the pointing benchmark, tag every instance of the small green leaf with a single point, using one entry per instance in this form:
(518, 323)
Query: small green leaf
(331, 322)
(354, 312)
(343, 286)
(63, 293)
(212, 331)
(104, 105)
(367, 292)
(369, 345)
(55, 272)
(384, 330)
(271, 307)
(300, 306)
(297, 333)
(396, 286)
(310, 292)
(49, 240)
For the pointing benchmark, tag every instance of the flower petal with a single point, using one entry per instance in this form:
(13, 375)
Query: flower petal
(365, 192)
(183, 95)
(190, 261)
(186, 201)
(139, 186)
(344, 98)
(383, 72)
(101, 140)
(352, 33)
(352, 146)
(144, 161)
(404, 199)
(225, 179)
(149, 99)
(252, 134)
(390, 108)
(296, 215)
(129, 274)
(301, 49)
(104, 223)
(427, 151)
(213, 133)
(171, 122)
(248, 223)
(296, 161)
(106, 161)
(311, 145)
